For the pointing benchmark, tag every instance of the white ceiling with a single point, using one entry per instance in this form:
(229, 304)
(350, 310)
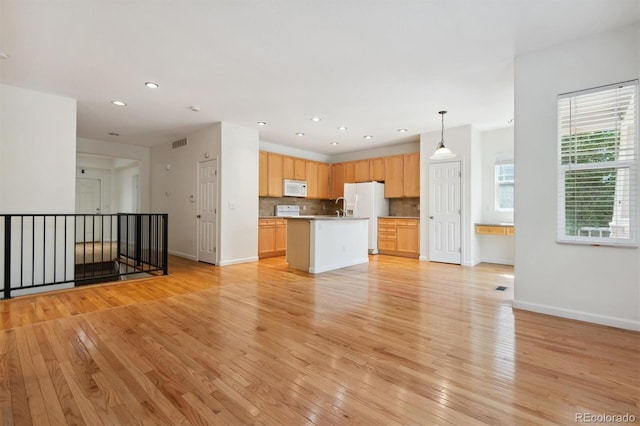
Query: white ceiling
(374, 66)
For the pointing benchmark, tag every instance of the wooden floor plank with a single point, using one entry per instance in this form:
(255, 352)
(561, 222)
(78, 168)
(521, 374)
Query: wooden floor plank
(395, 341)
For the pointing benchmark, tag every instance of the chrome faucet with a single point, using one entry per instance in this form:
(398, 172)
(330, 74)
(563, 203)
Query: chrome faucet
(344, 209)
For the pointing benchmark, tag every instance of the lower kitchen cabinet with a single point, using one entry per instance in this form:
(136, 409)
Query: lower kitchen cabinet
(272, 237)
(399, 236)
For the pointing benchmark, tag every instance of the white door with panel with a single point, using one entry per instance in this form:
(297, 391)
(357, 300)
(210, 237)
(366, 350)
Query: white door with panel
(207, 210)
(88, 202)
(444, 212)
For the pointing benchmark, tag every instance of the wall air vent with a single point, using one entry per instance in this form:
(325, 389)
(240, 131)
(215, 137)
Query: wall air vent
(179, 143)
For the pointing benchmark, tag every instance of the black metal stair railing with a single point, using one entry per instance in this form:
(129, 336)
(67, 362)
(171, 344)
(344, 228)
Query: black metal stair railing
(66, 250)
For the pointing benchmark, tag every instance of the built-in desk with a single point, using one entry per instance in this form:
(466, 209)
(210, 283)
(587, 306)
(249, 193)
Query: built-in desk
(495, 228)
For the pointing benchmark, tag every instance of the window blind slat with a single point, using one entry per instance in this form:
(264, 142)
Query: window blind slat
(597, 163)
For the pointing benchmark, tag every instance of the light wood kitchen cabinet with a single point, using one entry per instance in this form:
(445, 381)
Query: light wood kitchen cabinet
(394, 176)
(408, 238)
(274, 170)
(337, 180)
(263, 185)
(312, 179)
(411, 171)
(376, 169)
(324, 181)
(299, 169)
(349, 172)
(272, 237)
(362, 171)
(288, 167)
(402, 175)
(270, 175)
(294, 168)
(399, 236)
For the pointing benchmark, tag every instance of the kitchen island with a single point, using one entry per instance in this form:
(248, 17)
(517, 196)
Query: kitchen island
(323, 243)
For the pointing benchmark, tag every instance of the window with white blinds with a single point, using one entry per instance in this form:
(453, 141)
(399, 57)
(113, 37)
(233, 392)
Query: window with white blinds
(597, 165)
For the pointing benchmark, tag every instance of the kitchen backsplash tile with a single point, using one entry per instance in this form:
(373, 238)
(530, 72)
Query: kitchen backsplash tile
(267, 205)
(404, 207)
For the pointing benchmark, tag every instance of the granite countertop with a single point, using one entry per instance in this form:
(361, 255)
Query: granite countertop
(494, 224)
(400, 217)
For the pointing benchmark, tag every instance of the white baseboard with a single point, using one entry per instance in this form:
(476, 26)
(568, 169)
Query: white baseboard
(236, 261)
(326, 268)
(424, 258)
(473, 262)
(578, 315)
(499, 261)
(184, 255)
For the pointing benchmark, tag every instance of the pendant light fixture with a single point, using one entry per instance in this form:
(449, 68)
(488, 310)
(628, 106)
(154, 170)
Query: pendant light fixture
(442, 152)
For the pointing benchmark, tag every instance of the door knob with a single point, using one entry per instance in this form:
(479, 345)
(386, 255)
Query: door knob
(430, 217)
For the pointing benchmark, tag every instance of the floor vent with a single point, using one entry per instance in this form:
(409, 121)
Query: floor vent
(501, 288)
(179, 143)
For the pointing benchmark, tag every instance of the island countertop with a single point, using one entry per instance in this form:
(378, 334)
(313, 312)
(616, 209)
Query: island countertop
(328, 217)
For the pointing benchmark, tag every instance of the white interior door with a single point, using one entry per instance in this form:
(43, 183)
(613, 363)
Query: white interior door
(207, 210)
(88, 201)
(444, 212)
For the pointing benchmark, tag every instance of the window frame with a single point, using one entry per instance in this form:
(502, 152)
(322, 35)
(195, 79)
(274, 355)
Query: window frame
(618, 164)
(498, 184)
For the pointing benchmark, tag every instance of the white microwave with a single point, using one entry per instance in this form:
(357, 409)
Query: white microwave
(294, 188)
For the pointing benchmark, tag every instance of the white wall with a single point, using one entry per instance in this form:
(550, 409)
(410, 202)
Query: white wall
(37, 175)
(122, 195)
(123, 151)
(384, 151)
(292, 152)
(236, 150)
(465, 142)
(38, 139)
(497, 145)
(597, 284)
(238, 171)
(174, 177)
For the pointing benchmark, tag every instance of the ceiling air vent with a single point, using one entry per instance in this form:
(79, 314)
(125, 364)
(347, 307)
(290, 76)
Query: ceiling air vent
(179, 143)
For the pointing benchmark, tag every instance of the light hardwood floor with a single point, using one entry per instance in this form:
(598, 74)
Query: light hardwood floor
(396, 341)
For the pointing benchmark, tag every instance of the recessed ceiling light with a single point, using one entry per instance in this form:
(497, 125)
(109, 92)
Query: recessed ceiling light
(316, 119)
(402, 130)
(4, 55)
(114, 134)
(368, 137)
(262, 123)
(152, 85)
(119, 103)
(342, 128)
(333, 143)
(299, 134)
(195, 108)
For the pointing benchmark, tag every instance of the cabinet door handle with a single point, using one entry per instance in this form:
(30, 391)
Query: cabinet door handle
(198, 216)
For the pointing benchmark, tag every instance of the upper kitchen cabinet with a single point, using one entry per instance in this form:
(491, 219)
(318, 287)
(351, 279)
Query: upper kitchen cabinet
(394, 176)
(362, 171)
(402, 175)
(376, 169)
(324, 181)
(337, 180)
(293, 168)
(312, 179)
(299, 169)
(349, 172)
(263, 173)
(412, 174)
(288, 167)
(270, 184)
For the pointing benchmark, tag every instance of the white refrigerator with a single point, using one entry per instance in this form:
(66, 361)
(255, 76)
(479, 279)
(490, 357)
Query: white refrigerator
(366, 199)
